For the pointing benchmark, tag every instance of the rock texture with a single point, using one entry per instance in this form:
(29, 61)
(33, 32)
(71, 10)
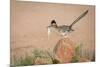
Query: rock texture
(64, 50)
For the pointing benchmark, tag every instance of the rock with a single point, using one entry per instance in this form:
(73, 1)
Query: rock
(64, 50)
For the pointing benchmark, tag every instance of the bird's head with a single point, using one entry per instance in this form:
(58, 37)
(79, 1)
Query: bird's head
(52, 27)
(53, 23)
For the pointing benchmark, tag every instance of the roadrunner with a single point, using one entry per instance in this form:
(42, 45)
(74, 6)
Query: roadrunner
(64, 29)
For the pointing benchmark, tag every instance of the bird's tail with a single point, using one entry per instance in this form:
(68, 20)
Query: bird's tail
(81, 16)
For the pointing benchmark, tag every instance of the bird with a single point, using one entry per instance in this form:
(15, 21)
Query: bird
(64, 30)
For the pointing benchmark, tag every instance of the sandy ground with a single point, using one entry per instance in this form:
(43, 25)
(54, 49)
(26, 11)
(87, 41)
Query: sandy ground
(30, 19)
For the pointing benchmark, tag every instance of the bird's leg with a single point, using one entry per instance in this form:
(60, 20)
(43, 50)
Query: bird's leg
(66, 36)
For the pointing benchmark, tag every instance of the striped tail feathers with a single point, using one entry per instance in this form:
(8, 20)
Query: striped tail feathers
(80, 17)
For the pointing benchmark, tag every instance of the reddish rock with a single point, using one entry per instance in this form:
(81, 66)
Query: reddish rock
(64, 50)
